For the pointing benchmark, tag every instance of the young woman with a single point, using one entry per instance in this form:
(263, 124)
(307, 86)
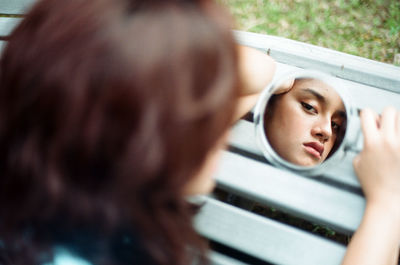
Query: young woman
(111, 112)
(305, 124)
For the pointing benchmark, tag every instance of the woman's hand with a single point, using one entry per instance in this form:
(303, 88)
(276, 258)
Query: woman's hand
(378, 165)
(377, 239)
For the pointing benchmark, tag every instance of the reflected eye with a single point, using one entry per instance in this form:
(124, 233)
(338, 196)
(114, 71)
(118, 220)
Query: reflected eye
(335, 126)
(308, 107)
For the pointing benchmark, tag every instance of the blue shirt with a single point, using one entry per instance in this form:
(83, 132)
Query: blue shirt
(64, 257)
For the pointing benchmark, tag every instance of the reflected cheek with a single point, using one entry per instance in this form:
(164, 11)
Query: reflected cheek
(328, 146)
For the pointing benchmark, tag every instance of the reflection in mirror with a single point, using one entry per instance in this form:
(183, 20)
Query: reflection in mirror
(305, 121)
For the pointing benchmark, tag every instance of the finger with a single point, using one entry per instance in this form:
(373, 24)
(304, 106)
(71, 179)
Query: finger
(378, 120)
(369, 125)
(388, 121)
(284, 87)
(398, 124)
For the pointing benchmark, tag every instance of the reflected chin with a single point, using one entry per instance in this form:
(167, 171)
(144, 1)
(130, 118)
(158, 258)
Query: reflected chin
(308, 163)
(301, 158)
(305, 161)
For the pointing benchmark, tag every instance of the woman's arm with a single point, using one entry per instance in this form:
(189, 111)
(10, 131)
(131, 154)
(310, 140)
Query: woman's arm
(256, 71)
(378, 168)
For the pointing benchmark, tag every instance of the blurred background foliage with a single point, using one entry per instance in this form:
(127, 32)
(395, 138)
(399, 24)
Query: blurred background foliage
(367, 28)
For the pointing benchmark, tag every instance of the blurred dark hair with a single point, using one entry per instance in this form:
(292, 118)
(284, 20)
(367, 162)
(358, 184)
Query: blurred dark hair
(108, 108)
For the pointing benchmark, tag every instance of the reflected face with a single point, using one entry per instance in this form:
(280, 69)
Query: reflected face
(303, 125)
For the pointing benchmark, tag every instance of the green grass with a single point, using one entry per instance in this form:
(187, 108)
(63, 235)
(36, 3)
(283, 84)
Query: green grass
(367, 28)
(8, 15)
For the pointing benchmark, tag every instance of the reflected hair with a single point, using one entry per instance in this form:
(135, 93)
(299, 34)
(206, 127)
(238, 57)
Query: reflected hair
(108, 108)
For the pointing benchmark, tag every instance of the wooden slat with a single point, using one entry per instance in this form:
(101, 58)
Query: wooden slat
(301, 196)
(340, 64)
(15, 7)
(264, 238)
(220, 259)
(2, 44)
(7, 24)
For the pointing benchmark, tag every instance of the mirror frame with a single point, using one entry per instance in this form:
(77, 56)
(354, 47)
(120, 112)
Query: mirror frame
(350, 138)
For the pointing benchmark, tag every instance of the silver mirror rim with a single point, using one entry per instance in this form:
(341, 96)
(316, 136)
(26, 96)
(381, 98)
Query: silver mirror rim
(262, 140)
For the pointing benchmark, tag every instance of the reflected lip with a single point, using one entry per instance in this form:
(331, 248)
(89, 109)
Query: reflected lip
(314, 148)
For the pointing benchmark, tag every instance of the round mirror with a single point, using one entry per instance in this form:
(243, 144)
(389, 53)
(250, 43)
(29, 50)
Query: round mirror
(303, 120)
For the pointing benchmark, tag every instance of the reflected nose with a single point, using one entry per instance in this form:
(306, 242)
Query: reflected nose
(322, 130)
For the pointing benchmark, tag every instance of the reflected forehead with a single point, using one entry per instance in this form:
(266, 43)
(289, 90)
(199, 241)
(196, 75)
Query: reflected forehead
(316, 85)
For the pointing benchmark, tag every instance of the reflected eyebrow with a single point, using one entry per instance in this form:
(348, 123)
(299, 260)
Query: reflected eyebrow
(315, 94)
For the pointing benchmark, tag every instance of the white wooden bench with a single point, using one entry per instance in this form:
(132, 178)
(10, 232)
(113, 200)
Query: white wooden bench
(11, 8)
(333, 199)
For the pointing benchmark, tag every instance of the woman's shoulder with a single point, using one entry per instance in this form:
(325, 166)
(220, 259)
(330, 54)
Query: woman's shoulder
(124, 247)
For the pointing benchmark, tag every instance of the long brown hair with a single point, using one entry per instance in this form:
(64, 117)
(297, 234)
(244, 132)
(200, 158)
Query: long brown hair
(108, 108)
